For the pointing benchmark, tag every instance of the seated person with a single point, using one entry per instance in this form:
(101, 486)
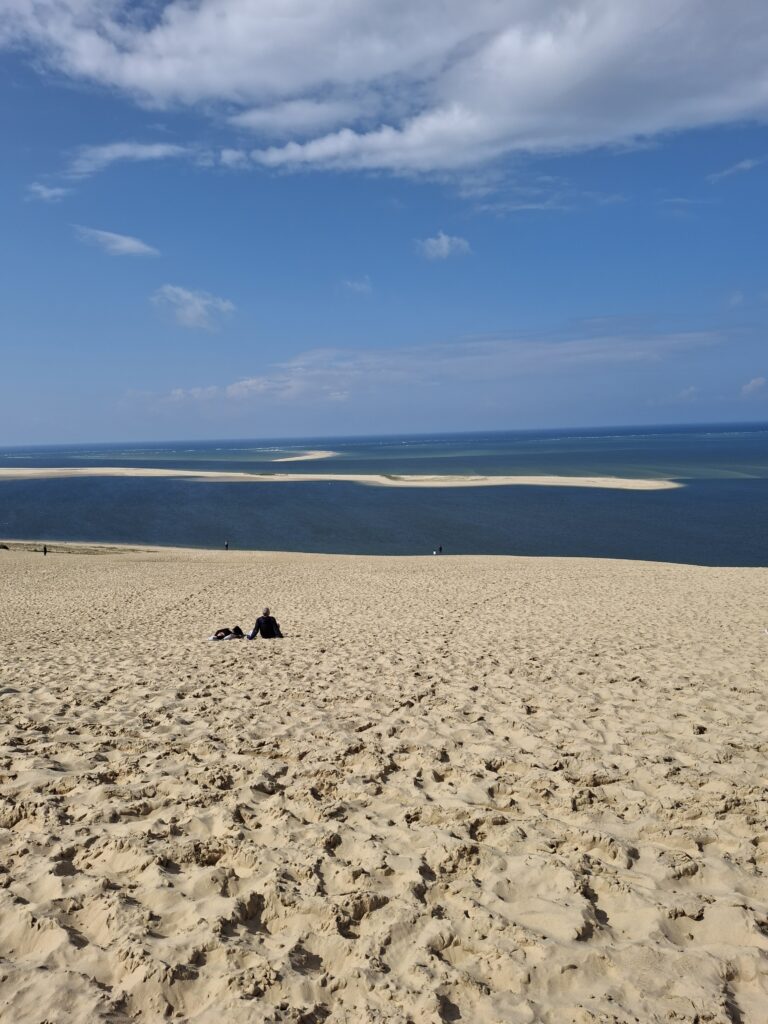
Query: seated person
(228, 634)
(266, 625)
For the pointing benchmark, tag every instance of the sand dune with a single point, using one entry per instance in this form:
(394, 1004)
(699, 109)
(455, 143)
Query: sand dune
(372, 479)
(461, 789)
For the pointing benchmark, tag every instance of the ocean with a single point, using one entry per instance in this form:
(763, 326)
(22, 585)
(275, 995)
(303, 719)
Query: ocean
(718, 517)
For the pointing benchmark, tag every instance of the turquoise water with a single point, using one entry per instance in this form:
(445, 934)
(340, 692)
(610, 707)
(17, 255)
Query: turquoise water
(680, 453)
(719, 517)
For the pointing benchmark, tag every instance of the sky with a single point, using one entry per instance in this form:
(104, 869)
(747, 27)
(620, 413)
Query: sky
(276, 218)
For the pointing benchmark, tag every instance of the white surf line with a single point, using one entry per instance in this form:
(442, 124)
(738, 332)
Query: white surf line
(372, 480)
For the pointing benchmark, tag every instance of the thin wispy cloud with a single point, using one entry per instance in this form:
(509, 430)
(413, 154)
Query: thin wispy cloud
(194, 309)
(442, 246)
(46, 193)
(92, 159)
(742, 167)
(361, 285)
(541, 195)
(113, 243)
(233, 158)
(435, 86)
(754, 386)
(683, 202)
(336, 375)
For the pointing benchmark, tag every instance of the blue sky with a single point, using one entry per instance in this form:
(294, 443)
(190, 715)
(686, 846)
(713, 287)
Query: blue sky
(375, 217)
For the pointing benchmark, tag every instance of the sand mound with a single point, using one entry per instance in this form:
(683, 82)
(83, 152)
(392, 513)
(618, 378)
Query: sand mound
(471, 789)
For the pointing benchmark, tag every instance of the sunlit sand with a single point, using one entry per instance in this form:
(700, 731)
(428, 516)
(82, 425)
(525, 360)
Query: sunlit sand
(373, 480)
(482, 789)
(307, 456)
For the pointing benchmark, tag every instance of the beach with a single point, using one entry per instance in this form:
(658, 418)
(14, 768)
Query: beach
(491, 789)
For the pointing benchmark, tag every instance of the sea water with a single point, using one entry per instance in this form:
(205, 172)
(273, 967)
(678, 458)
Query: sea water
(718, 517)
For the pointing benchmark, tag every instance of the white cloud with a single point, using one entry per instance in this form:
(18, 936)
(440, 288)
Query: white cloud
(46, 193)
(442, 246)
(361, 285)
(233, 158)
(537, 194)
(297, 116)
(91, 159)
(114, 244)
(434, 86)
(333, 375)
(753, 386)
(192, 308)
(740, 168)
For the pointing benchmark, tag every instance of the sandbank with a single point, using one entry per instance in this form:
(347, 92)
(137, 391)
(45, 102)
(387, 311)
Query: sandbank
(310, 456)
(550, 808)
(372, 480)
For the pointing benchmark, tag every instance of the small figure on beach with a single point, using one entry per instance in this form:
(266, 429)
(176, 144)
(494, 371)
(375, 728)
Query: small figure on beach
(45, 549)
(266, 625)
(225, 633)
(226, 545)
(440, 549)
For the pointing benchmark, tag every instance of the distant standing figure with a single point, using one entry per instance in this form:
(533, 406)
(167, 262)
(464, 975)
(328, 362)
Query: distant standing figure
(440, 550)
(226, 545)
(45, 549)
(266, 625)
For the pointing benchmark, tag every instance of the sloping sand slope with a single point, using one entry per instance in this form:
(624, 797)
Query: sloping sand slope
(461, 789)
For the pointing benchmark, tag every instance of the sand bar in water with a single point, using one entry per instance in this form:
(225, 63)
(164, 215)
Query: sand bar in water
(310, 456)
(374, 479)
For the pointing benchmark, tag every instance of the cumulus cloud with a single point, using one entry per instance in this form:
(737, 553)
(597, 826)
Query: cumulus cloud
(91, 159)
(435, 86)
(46, 193)
(753, 386)
(193, 309)
(114, 244)
(334, 375)
(442, 246)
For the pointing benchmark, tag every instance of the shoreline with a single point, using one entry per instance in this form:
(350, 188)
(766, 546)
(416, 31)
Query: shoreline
(57, 546)
(372, 480)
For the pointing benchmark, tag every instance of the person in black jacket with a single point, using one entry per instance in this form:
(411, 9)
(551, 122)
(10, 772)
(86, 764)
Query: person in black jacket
(266, 625)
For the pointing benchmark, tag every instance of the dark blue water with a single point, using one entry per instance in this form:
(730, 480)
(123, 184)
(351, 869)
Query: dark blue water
(720, 516)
